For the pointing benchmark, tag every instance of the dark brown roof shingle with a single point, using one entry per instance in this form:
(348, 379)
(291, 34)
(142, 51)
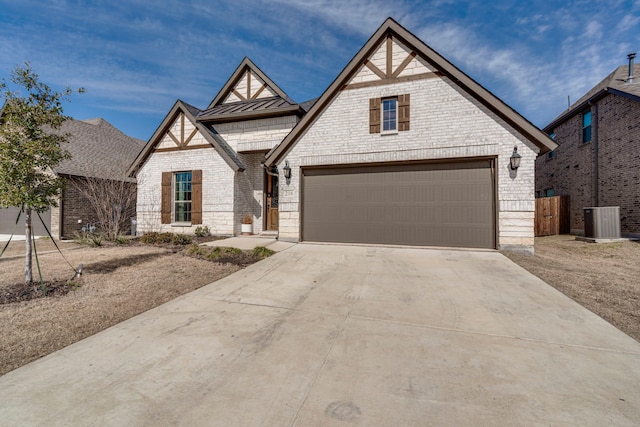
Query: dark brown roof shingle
(616, 82)
(98, 149)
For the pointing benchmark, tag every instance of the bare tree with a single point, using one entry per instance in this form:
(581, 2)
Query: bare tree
(113, 202)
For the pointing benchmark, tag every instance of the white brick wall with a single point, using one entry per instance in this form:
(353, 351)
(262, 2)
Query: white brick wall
(226, 196)
(445, 123)
(217, 189)
(254, 135)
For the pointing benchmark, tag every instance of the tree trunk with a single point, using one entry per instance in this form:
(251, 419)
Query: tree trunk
(28, 276)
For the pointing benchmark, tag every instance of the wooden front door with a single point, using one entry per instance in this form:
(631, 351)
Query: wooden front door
(272, 203)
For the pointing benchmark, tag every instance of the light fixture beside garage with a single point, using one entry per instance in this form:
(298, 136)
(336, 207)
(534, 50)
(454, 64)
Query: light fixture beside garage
(287, 170)
(515, 159)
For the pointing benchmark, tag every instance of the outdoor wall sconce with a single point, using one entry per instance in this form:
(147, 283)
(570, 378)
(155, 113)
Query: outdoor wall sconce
(287, 170)
(515, 159)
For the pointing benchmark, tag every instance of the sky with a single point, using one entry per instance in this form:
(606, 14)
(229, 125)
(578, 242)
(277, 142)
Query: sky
(136, 58)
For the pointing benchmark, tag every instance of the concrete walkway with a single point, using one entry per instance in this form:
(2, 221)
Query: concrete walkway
(322, 335)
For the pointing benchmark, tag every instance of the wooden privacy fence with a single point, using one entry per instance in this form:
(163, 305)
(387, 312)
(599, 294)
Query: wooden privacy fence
(552, 216)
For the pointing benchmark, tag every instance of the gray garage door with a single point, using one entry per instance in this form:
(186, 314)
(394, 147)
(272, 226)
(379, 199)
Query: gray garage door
(435, 204)
(8, 222)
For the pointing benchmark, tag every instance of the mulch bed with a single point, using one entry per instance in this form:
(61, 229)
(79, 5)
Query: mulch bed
(25, 292)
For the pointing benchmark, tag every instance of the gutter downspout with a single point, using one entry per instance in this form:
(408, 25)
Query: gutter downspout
(596, 166)
(266, 169)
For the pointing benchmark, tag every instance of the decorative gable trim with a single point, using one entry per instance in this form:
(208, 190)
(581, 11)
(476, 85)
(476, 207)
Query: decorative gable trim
(185, 111)
(391, 28)
(246, 68)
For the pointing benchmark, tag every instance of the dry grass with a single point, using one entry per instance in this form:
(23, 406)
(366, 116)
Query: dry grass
(118, 282)
(603, 277)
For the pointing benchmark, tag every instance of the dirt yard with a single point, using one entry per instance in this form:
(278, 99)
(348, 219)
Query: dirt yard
(117, 283)
(603, 277)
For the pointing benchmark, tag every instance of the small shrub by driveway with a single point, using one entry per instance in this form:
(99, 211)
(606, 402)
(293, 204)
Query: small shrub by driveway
(603, 277)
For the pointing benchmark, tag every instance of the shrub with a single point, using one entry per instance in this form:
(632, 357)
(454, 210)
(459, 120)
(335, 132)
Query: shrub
(91, 239)
(196, 251)
(262, 252)
(247, 219)
(121, 240)
(95, 240)
(202, 231)
(165, 238)
(180, 239)
(149, 238)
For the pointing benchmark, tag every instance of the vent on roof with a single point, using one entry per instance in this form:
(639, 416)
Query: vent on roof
(630, 56)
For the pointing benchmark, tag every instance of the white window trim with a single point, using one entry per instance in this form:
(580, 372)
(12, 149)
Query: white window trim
(175, 223)
(389, 131)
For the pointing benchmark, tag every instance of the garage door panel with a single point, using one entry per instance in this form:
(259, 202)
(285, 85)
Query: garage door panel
(441, 204)
(8, 222)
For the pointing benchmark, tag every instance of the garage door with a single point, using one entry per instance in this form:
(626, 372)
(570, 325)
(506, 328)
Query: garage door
(8, 222)
(435, 204)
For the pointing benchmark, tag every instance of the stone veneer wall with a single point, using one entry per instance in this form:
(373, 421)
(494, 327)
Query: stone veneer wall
(446, 123)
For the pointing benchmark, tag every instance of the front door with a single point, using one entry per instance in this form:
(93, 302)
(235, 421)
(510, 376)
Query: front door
(272, 203)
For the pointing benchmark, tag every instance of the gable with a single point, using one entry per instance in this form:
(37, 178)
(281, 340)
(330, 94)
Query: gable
(180, 131)
(182, 134)
(249, 87)
(247, 83)
(389, 57)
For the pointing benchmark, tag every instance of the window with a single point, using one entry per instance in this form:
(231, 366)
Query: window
(586, 126)
(182, 197)
(181, 201)
(389, 114)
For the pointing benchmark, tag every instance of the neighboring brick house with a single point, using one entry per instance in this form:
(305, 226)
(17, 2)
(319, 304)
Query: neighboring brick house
(98, 150)
(402, 148)
(598, 156)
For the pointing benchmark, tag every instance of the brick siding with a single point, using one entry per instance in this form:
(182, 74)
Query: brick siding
(446, 123)
(572, 171)
(76, 207)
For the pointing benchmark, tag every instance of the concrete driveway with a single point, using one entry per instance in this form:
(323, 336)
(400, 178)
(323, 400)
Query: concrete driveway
(322, 335)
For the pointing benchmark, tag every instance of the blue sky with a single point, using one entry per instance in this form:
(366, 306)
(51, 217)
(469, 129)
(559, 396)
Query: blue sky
(135, 58)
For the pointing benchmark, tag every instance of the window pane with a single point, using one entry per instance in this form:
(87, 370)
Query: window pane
(182, 197)
(586, 126)
(389, 116)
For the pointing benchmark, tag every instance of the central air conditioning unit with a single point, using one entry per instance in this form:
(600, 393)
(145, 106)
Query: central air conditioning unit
(602, 222)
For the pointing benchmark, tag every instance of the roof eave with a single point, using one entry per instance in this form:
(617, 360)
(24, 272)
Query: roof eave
(575, 109)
